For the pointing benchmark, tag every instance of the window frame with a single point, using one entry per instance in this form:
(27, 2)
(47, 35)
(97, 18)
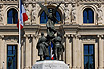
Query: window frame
(16, 18)
(16, 54)
(80, 15)
(89, 54)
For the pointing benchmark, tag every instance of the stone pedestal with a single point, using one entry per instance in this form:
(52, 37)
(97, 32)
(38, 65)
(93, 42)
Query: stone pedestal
(50, 64)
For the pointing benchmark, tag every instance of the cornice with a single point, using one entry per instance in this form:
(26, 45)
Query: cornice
(84, 27)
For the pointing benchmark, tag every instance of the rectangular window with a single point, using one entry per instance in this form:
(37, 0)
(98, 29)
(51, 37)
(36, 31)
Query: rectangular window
(89, 60)
(11, 57)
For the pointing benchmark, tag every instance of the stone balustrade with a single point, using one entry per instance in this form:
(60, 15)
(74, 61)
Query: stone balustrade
(54, 0)
(8, 0)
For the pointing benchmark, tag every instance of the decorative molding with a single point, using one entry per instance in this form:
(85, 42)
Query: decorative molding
(27, 35)
(1, 6)
(100, 36)
(11, 38)
(33, 5)
(26, 5)
(1, 36)
(79, 36)
(88, 37)
(1, 18)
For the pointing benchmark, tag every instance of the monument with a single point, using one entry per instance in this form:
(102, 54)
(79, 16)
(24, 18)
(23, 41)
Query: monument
(50, 40)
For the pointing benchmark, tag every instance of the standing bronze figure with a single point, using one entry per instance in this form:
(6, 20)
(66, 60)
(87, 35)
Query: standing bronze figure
(58, 46)
(42, 47)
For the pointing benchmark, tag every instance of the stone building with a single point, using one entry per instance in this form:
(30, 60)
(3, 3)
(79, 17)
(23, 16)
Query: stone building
(82, 28)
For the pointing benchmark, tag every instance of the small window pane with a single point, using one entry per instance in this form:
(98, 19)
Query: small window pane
(91, 62)
(91, 50)
(86, 49)
(88, 16)
(9, 47)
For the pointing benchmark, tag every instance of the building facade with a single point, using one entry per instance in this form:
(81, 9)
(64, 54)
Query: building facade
(82, 28)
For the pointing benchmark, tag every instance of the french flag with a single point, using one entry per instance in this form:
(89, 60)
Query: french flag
(23, 16)
(52, 55)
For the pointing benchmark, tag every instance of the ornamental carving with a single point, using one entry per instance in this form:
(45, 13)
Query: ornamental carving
(28, 14)
(100, 15)
(33, 5)
(33, 14)
(1, 18)
(11, 38)
(67, 13)
(1, 6)
(26, 5)
(73, 13)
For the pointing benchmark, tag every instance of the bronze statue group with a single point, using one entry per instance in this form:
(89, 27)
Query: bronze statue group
(44, 43)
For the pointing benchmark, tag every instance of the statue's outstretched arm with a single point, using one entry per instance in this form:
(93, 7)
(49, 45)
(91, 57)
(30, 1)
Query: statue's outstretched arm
(56, 8)
(44, 8)
(57, 20)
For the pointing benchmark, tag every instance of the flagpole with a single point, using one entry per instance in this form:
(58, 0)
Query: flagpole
(19, 65)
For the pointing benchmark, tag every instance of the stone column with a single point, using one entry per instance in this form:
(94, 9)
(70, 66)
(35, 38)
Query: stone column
(2, 52)
(28, 52)
(34, 50)
(69, 50)
(100, 54)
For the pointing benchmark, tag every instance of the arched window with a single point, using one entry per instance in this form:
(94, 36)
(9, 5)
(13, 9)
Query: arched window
(12, 16)
(44, 18)
(88, 16)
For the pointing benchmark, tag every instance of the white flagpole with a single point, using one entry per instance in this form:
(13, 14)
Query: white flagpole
(19, 65)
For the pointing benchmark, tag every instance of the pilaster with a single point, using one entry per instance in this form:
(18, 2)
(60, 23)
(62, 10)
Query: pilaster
(100, 52)
(28, 52)
(22, 52)
(2, 50)
(79, 52)
(34, 50)
(69, 50)
(74, 52)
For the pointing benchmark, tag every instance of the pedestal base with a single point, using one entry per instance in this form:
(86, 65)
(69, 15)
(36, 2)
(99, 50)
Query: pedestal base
(50, 64)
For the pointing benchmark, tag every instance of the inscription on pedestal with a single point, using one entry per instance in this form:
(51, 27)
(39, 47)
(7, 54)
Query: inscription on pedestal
(50, 65)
